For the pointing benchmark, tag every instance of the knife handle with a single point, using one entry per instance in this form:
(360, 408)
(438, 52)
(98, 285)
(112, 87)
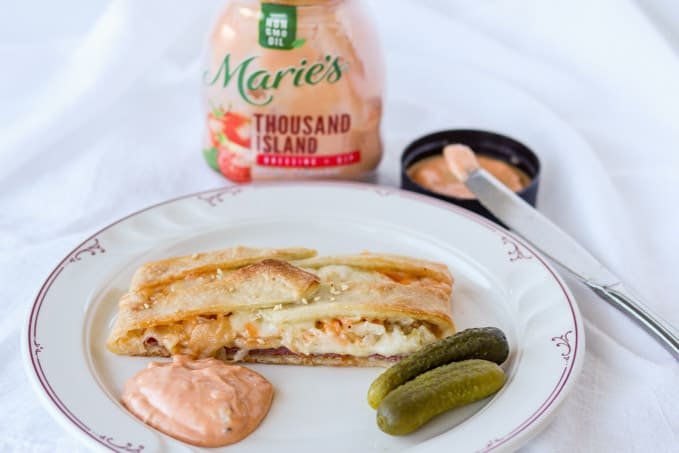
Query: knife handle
(622, 299)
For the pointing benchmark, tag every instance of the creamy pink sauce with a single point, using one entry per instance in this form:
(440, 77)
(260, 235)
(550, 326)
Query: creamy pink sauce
(433, 173)
(202, 402)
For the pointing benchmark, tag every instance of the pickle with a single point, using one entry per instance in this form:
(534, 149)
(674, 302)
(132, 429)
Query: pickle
(439, 390)
(487, 343)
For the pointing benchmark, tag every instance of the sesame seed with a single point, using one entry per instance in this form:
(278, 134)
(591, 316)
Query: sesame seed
(219, 272)
(332, 299)
(344, 287)
(304, 301)
(277, 307)
(317, 298)
(146, 305)
(194, 256)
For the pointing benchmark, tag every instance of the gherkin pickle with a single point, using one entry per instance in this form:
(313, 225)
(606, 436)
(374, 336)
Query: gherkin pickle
(414, 403)
(487, 343)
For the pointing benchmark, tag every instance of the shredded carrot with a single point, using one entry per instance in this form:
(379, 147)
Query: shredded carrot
(252, 330)
(334, 326)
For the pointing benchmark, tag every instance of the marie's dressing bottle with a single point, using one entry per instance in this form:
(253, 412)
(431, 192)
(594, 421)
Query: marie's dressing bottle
(293, 89)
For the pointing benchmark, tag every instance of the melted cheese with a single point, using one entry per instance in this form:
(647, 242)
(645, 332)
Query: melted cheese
(203, 336)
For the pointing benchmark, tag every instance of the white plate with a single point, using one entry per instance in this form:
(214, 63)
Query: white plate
(500, 282)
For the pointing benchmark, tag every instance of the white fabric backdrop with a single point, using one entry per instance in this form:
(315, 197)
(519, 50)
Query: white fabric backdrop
(100, 115)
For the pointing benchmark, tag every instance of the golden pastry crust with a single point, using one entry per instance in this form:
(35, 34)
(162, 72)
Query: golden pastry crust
(165, 271)
(384, 262)
(253, 299)
(263, 284)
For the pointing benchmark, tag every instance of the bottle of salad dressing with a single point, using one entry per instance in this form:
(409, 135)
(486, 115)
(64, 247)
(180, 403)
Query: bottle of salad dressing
(293, 89)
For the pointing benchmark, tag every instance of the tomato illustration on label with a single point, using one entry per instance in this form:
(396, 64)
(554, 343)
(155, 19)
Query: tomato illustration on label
(229, 135)
(234, 126)
(233, 167)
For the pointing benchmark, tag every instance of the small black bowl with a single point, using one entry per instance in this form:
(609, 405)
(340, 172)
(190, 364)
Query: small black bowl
(483, 143)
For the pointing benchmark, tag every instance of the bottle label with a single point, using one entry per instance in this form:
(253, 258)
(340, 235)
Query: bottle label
(279, 107)
(278, 27)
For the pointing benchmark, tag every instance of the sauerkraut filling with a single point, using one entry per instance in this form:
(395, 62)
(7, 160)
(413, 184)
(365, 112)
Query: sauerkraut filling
(204, 336)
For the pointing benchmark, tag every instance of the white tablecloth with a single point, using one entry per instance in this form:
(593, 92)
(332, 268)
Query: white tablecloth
(100, 115)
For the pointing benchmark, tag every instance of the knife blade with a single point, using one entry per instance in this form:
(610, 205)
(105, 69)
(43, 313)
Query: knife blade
(542, 233)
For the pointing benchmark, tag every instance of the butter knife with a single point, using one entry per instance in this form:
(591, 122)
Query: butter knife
(567, 253)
